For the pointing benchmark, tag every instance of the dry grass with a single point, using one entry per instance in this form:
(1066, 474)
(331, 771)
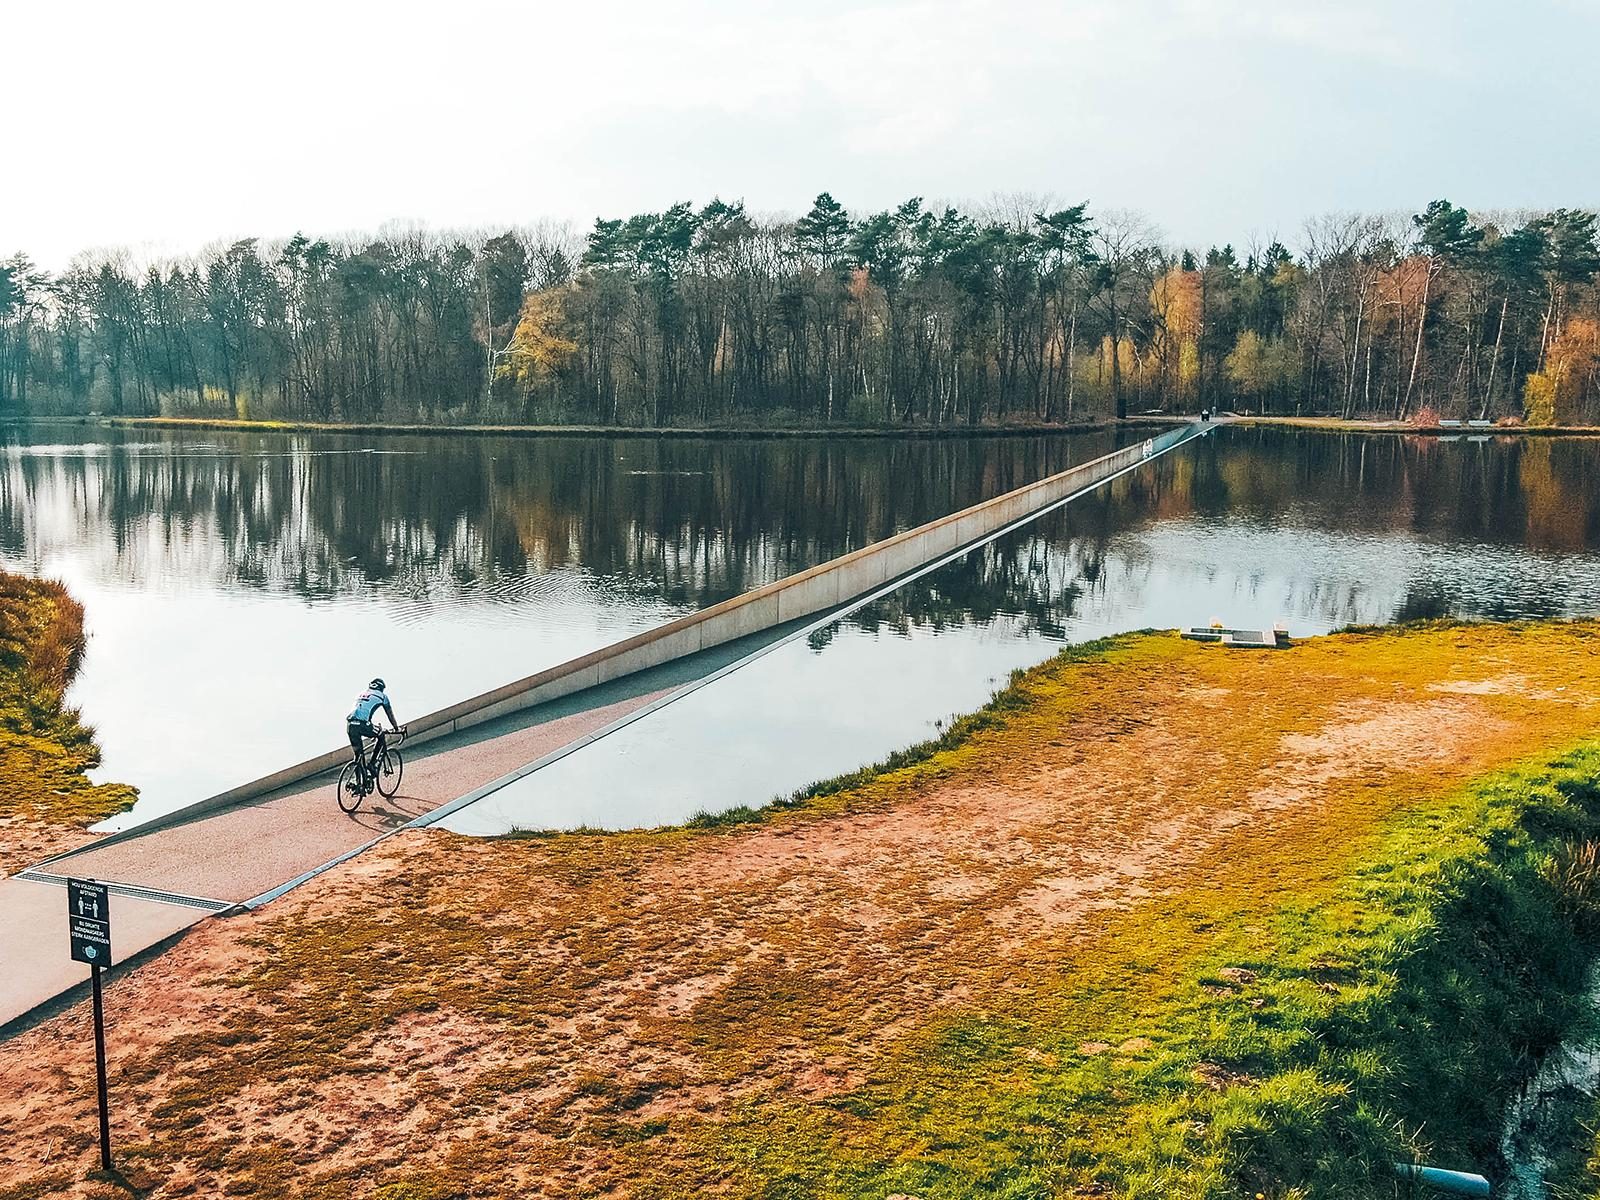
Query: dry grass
(1048, 959)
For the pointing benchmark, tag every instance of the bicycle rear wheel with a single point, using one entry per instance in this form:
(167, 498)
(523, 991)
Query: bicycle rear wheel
(350, 790)
(389, 771)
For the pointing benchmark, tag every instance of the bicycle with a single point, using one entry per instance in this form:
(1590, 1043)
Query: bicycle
(381, 769)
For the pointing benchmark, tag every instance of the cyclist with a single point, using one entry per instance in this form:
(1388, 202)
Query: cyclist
(359, 723)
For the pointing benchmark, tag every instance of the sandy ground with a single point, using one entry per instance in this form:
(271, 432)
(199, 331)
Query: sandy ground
(24, 842)
(485, 1016)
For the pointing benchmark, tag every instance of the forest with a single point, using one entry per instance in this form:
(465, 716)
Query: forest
(1013, 312)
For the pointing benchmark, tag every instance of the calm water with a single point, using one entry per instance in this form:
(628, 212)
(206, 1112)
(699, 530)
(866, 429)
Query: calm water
(240, 589)
(1251, 527)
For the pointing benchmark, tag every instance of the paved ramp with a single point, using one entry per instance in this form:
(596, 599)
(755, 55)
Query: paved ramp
(244, 845)
(239, 853)
(34, 967)
(165, 881)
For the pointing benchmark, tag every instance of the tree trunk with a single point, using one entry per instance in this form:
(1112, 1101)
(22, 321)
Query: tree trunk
(1416, 356)
(1355, 352)
(1494, 359)
(1072, 349)
(1544, 335)
(1118, 402)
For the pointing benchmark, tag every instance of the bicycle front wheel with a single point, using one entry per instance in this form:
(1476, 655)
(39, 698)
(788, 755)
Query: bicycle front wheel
(389, 772)
(350, 790)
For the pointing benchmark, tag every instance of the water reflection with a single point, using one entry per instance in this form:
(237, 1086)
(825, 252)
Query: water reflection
(1249, 527)
(240, 586)
(689, 521)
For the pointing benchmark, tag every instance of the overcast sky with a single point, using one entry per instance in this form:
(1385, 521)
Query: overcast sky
(166, 125)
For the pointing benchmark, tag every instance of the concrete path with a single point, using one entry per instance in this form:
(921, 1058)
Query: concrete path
(166, 880)
(172, 878)
(239, 853)
(34, 963)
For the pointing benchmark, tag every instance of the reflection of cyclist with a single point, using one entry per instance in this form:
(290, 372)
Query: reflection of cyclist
(359, 723)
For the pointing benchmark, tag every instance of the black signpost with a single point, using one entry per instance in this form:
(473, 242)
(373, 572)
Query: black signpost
(89, 927)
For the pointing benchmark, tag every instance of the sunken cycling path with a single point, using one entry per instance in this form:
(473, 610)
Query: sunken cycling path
(236, 854)
(245, 847)
(167, 880)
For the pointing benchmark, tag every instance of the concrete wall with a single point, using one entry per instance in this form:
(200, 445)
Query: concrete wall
(801, 595)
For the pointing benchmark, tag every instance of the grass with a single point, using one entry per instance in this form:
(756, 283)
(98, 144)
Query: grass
(764, 1007)
(1214, 1046)
(47, 749)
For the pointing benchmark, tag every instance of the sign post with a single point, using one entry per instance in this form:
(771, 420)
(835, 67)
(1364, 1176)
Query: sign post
(89, 927)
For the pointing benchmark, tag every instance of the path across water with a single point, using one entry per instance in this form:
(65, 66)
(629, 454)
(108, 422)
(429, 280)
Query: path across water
(166, 880)
(242, 847)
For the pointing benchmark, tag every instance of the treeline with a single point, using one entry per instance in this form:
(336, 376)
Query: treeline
(915, 315)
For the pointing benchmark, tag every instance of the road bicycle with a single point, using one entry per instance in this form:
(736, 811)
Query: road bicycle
(380, 769)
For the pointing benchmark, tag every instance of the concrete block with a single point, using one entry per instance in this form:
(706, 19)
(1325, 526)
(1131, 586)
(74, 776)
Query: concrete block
(859, 576)
(809, 596)
(559, 683)
(971, 527)
(651, 652)
(758, 613)
(905, 555)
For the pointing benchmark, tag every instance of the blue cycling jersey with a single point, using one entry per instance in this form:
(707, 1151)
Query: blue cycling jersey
(370, 702)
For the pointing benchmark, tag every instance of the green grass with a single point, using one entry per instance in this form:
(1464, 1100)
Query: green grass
(1294, 1052)
(1295, 1048)
(1330, 987)
(1017, 696)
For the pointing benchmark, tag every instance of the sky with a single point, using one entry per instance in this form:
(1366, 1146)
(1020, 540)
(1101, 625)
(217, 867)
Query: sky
(165, 126)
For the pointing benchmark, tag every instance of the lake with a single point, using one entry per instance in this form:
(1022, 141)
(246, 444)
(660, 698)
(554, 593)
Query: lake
(241, 588)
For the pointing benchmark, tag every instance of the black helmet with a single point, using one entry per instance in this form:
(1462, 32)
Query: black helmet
(376, 685)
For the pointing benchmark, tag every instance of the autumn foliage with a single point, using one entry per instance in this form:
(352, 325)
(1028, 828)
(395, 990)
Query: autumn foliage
(1572, 367)
(916, 314)
(538, 347)
(1177, 306)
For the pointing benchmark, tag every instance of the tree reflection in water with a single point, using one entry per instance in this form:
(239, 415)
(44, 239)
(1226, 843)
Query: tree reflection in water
(300, 561)
(1279, 491)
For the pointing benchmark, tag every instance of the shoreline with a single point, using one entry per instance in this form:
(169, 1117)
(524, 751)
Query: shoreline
(798, 432)
(708, 433)
(47, 802)
(1341, 425)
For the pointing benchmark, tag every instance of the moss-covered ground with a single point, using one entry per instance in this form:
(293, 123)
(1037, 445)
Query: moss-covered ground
(46, 799)
(1166, 920)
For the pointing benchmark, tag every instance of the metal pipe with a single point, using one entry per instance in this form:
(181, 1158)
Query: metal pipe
(1456, 1183)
